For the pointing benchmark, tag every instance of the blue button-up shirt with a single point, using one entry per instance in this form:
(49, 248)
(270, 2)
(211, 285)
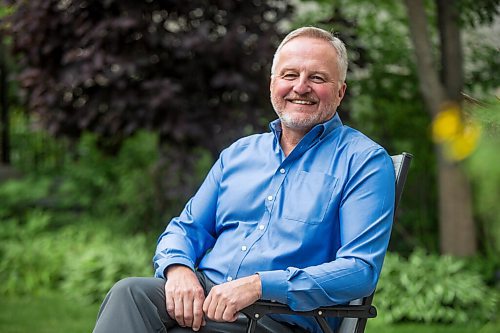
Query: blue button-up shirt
(314, 225)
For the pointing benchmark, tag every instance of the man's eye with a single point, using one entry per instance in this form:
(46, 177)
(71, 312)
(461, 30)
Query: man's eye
(317, 79)
(289, 76)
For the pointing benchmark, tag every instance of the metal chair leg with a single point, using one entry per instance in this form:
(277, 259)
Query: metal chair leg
(252, 324)
(323, 324)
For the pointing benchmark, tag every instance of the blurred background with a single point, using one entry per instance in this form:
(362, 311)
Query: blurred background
(113, 111)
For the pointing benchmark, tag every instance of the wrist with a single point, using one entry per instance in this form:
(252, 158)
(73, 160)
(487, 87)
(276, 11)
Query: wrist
(176, 269)
(258, 285)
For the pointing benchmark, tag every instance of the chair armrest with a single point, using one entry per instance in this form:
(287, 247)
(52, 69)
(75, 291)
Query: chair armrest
(262, 308)
(259, 309)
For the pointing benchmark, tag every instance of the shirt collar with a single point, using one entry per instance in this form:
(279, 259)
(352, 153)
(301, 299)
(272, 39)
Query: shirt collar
(323, 129)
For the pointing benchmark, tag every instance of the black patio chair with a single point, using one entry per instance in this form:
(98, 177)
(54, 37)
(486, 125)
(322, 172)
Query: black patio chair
(356, 313)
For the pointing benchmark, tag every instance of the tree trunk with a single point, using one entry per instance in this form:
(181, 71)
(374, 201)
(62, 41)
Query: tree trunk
(430, 86)
(457, 228)
(452, 73)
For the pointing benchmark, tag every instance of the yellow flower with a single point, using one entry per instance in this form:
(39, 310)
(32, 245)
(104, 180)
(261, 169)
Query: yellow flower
(447, 124)
(458, 139)
(464, 144)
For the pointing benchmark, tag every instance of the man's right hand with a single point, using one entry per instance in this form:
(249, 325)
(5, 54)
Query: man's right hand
(184, 297)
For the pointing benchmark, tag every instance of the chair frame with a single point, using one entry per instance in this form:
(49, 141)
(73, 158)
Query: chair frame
(360, 309)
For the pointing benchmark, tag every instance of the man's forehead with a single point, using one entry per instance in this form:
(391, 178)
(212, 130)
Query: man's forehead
(309, 52)
(301, 41)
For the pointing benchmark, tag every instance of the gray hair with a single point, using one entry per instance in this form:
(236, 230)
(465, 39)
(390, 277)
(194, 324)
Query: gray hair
(313, 32)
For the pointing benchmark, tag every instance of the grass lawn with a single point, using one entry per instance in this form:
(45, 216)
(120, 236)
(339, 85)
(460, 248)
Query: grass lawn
(57, 314)
(48, 314)
(376, 326)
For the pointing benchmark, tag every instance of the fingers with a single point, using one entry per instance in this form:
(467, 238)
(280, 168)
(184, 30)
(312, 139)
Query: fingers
(169, 302)
(179, 311)
(226, 299)
(198, 319)
(210, 306)
(206, 306)
(175, 306)
(184, 303)
(193, 312)
(219, 307)
(188, 311)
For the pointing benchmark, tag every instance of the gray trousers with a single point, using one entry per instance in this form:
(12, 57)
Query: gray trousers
(137, 305)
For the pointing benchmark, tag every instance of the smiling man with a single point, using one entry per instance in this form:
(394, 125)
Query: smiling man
(301, 215)
(307, 82)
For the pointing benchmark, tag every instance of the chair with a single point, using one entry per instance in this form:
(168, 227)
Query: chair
(356, 313)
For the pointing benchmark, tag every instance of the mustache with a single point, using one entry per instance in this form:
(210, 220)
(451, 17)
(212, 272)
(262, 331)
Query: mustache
(305, 97)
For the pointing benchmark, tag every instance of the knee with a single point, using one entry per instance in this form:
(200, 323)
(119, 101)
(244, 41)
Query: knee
(126, 284)
(129, 287)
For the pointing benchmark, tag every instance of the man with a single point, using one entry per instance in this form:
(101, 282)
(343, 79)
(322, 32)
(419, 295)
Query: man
(301, 215)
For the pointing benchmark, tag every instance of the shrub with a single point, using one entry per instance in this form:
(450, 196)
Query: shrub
(31, 261)
(82, 260)
(120, 189)
(101, 260)
(432, 288)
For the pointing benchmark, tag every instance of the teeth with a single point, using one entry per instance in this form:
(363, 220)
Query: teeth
(302, 102)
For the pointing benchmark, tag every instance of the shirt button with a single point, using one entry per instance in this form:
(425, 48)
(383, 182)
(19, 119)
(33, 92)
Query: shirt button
(229, 279)
(261, 227)
(270, 198)
(243, 248)
(282, 170)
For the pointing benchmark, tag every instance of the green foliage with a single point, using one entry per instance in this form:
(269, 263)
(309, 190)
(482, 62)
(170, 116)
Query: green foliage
(102, 260)
(5, 10)
(476, 12)
(122, 185)
(120, 189)
(30, 261)
(431, 288)
(84, 260)
(73, 226)
(483, 169)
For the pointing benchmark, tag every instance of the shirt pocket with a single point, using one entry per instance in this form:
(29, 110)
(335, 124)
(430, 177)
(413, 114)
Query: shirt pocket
(308, 196)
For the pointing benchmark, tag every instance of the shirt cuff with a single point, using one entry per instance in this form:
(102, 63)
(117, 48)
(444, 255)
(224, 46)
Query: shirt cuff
(274, 285)
(160, 270)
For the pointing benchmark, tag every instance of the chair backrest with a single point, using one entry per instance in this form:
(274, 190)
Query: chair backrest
(401, 164)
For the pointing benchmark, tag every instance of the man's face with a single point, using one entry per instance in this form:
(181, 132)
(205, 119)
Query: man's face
(306, 88)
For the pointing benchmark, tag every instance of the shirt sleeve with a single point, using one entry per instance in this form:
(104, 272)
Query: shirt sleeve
(188, 237)
(365, 220)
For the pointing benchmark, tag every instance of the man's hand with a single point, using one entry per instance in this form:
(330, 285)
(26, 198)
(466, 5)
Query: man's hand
(184, 297)
(225, 300)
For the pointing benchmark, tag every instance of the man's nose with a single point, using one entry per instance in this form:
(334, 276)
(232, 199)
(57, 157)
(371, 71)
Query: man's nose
(302, 86)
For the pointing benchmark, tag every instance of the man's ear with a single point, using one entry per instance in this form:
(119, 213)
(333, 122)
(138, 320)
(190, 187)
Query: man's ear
(341, 92)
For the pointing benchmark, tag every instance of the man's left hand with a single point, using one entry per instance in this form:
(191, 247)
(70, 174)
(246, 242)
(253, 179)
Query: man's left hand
(226, 299)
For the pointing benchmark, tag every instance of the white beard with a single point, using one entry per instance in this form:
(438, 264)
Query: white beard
(301, 122)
